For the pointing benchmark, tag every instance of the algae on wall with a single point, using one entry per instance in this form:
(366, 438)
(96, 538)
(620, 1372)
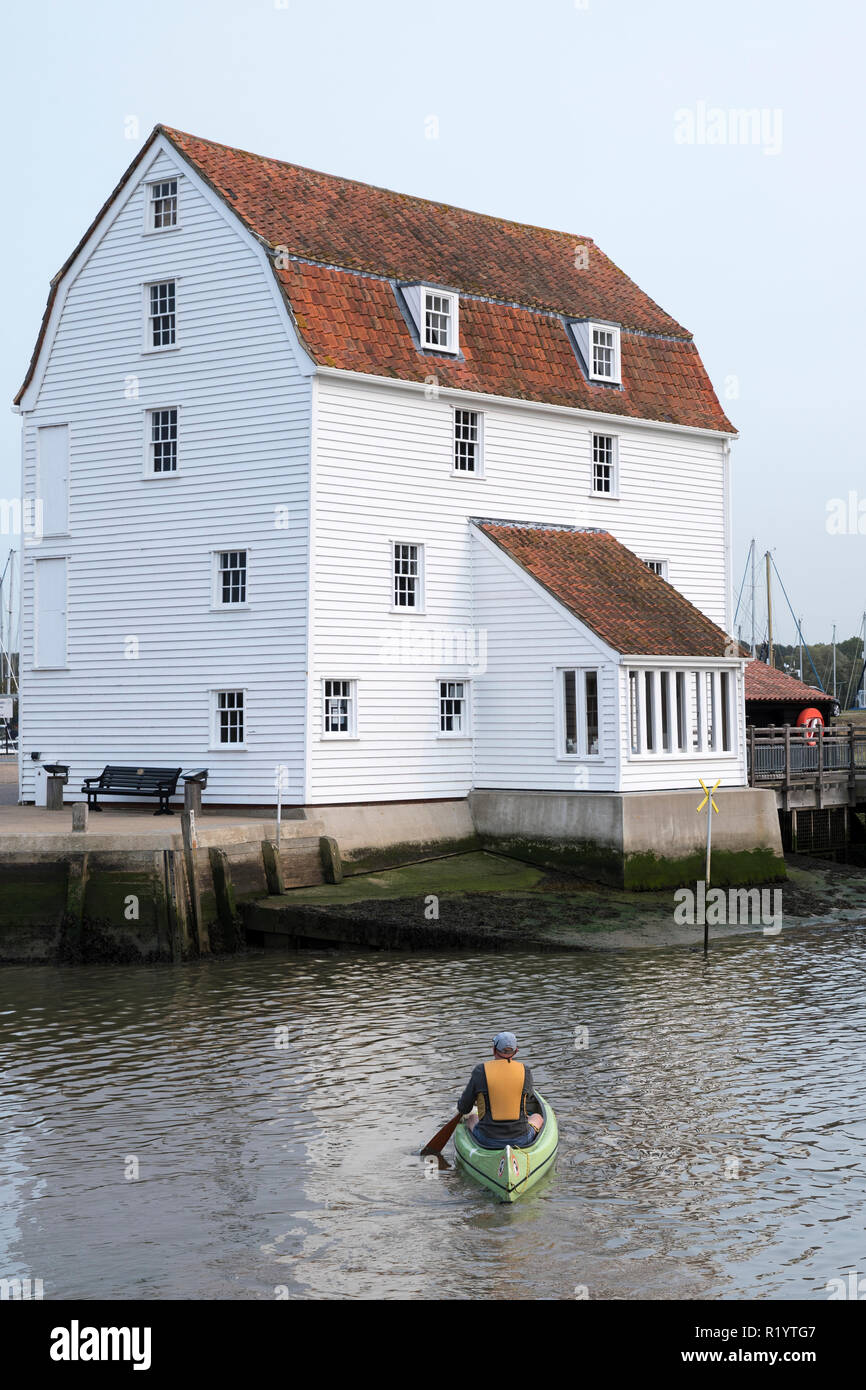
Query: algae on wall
(136, 905)
(590, 861)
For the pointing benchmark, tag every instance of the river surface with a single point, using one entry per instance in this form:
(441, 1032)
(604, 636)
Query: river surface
(249, 1127)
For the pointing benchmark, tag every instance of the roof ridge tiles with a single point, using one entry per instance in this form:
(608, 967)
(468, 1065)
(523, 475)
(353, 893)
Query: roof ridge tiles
(553, 279)
(172, 131)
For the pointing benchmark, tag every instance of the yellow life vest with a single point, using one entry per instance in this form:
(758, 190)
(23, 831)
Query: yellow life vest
(505, 1088)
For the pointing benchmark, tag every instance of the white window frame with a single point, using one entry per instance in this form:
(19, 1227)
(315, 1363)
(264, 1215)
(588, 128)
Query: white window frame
(662, 571)
(148, 349)
(478, 470)
(613, 495)
(150, 205)
(685, 724)
(216, 746)
(451, 734)
(420, 607)
(452, 347)
(582, 753)
(340, 736)
(614, 378)
(149, 413)
(216, 602)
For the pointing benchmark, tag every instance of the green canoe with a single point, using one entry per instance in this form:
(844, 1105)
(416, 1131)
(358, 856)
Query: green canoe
(511, 1171)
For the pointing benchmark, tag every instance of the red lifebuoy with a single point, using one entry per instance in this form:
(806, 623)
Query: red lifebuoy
(810, 719)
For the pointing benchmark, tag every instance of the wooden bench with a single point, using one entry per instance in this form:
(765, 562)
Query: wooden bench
(134, 781)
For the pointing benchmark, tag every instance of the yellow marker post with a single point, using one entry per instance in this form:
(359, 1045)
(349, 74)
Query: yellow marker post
(711, 807)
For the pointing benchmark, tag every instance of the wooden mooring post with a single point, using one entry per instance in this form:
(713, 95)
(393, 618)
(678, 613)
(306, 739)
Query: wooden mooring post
(224, 895)
(201, 935)
(819, 791)
(175, 900)
(73, 916)
(273, 868)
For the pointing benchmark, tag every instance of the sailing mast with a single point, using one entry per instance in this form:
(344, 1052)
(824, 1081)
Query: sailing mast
(834, 661)
(9, 633)
(752, 556)
(7, 672)
(769, 614)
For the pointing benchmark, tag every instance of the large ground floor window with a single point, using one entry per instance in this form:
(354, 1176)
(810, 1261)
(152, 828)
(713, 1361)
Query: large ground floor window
(685, 712)
(578, 722)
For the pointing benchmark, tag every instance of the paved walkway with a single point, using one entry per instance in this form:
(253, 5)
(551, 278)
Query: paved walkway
(24, 828)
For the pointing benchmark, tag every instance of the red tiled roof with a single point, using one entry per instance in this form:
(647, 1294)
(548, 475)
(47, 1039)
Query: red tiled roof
(766, 683)
(352, 321)
(361, 227)
(610, 590)
(345, 243)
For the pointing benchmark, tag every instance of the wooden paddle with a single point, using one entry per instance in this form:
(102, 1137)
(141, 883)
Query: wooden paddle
(438, 1142)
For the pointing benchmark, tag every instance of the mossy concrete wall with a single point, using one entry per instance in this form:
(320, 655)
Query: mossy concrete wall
(130, 905)
(636, 840)
(84, 907)
(386, 834)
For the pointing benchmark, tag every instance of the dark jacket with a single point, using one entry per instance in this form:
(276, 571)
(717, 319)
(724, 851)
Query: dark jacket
(501, 1132)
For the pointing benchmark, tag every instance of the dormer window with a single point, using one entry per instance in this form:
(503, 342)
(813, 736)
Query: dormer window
(598, 346)
(604, 353)
(435, 316)
(439, 320)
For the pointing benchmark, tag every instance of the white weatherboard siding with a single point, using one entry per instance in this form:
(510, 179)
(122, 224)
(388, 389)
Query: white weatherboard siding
(383, 473)
(145, 648)
(528, 638)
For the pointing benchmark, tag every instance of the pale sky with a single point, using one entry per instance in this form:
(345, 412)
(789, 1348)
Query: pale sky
(601, 118)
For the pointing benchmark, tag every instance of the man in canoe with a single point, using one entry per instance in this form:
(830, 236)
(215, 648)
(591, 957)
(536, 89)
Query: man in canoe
(509, 1111)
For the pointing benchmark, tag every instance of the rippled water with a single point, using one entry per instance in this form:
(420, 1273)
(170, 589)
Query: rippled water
(712, 1130)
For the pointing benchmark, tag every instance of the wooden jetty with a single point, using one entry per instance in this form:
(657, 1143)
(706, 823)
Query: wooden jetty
(819, 777)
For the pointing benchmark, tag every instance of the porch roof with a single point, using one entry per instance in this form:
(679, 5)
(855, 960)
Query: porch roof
(610, 589)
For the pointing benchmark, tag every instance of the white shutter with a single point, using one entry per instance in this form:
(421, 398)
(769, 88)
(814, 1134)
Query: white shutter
(52, 487)
(50, 580)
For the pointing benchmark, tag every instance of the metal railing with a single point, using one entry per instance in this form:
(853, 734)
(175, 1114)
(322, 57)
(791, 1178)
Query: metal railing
(787, 753)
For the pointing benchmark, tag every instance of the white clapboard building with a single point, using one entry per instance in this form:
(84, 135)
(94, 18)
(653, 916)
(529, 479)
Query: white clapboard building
(408, 500)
